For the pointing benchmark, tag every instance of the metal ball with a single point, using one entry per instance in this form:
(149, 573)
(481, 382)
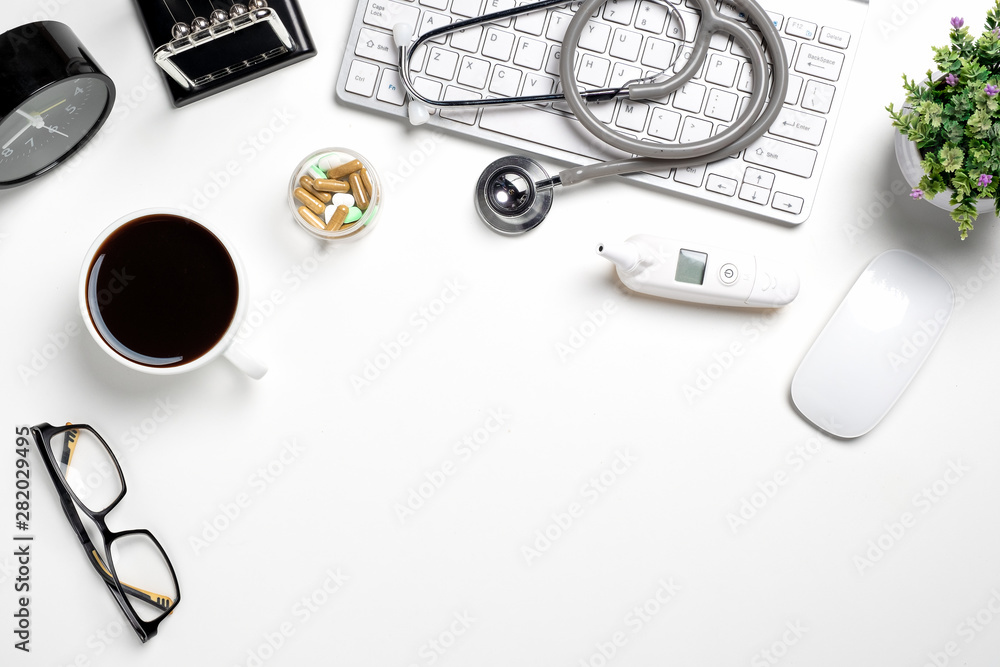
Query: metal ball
(253, 5)
(237, 10)
(199, 23)
(218, 16)
(180, 30)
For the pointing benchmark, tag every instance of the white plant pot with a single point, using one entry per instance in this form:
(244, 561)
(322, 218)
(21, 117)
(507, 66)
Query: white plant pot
(908, 156)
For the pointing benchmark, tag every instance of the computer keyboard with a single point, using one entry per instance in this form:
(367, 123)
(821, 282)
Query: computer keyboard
(775, 178)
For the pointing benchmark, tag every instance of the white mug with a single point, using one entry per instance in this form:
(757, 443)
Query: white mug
(223, 347)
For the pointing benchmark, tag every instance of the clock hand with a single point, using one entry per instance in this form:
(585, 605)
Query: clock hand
(14, 138)
(50, 108)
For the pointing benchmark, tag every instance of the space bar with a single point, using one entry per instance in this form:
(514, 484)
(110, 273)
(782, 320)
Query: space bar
(548, 129)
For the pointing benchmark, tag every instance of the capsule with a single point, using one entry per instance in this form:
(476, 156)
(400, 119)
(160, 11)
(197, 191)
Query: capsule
(313, 204)
(311, 218)
(337, 221)
(366, 180)
(345, 169)
(361, 199)
(309, 185)
(331, 185)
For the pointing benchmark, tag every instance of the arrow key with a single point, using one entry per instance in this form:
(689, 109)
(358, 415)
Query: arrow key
(754, 194)
(758, 177)
(787, 203)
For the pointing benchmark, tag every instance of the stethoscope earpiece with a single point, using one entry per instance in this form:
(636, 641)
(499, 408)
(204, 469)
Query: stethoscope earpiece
(508, 196)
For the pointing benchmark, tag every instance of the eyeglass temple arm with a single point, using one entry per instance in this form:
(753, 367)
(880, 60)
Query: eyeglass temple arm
(161, 601)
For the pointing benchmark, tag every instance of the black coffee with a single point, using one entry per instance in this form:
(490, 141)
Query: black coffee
(162, 290)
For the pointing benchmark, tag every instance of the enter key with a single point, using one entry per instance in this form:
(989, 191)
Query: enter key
(800, 126)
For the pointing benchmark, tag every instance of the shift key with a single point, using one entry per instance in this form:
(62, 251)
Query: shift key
(774, 154)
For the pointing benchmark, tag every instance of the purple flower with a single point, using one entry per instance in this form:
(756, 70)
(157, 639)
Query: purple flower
(957, 22)
(917, 193)
(984, 180)
(992, 90)
(951, 79)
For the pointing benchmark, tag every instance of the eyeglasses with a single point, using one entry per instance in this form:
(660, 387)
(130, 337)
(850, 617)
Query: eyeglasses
(90, 484)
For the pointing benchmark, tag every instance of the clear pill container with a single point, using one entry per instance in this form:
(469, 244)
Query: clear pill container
(335, 194)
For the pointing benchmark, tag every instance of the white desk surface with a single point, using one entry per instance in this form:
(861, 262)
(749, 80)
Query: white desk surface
(453, 584)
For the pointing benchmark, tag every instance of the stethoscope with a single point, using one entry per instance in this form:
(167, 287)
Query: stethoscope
(514, 193)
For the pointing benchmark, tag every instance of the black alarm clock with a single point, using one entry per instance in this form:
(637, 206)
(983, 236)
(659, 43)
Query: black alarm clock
(53, 99)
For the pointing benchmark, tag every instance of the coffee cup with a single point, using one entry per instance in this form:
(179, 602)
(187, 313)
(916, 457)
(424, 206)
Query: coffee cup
(164, 293)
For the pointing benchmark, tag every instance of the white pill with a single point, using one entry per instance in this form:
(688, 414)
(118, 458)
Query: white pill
(328, 162)
(344, 198)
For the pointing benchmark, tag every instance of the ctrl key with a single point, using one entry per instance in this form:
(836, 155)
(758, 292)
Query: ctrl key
(362, 78)
(787, 203)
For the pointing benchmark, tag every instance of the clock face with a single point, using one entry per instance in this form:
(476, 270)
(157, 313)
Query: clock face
(49, 125)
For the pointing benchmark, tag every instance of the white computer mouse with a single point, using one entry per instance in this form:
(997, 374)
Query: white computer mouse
(873, 345)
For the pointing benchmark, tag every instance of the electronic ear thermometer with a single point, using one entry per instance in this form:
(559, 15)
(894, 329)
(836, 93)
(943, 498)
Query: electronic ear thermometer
(701, 274)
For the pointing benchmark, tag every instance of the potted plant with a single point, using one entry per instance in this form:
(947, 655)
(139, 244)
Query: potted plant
(949, 128)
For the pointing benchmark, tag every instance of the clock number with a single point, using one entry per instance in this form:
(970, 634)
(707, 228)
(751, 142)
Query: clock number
(52, 128)
(7, 152)
(78, 90)
(71, 109)
(30, 142)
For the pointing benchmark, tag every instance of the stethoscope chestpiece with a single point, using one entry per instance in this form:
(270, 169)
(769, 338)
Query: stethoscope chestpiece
(507, 197)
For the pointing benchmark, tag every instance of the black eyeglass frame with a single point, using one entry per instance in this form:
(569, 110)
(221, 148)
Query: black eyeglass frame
(71, 504)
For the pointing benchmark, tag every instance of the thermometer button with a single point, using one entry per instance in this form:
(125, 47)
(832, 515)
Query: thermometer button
(729, 274)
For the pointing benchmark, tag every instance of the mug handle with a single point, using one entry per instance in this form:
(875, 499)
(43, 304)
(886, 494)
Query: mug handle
(243, 361)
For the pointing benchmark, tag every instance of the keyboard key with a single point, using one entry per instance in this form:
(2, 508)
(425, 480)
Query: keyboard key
(664, 123)
(721, 70)
(494, 6)
(818, 96)
(550, 129)
(467, 40)
(790, 45)
(762, 179)
(530, 53)
(387, 13)
(377, 46)
(593, 70)
(555, 57)
(441, 64)
(537, 84)
(622, 74)
(691, 22)
(834, 37)
(498, 44)
(532, 23)
(695, 129)
(632, 115)
(777, 19)
(693, 175)
(435, 4)
(690, 97)
(657, 54)
(682, 61)
(465, 115)
(557, 26)
(800, 28)
(733, 12)
(781, 156)
(390, 88)
(362, 78)
(722, 185)
(794, 88)
(432, 21)
(428, 88)
(626, 44)
(800, 126)
(474, 72)
(595, 37)
(651, 18)
(788, 203)
(467, 8)
(822, 63)
(505, 81)
(619, 11)
(721, 105)
(752, 193)
(719, 41)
